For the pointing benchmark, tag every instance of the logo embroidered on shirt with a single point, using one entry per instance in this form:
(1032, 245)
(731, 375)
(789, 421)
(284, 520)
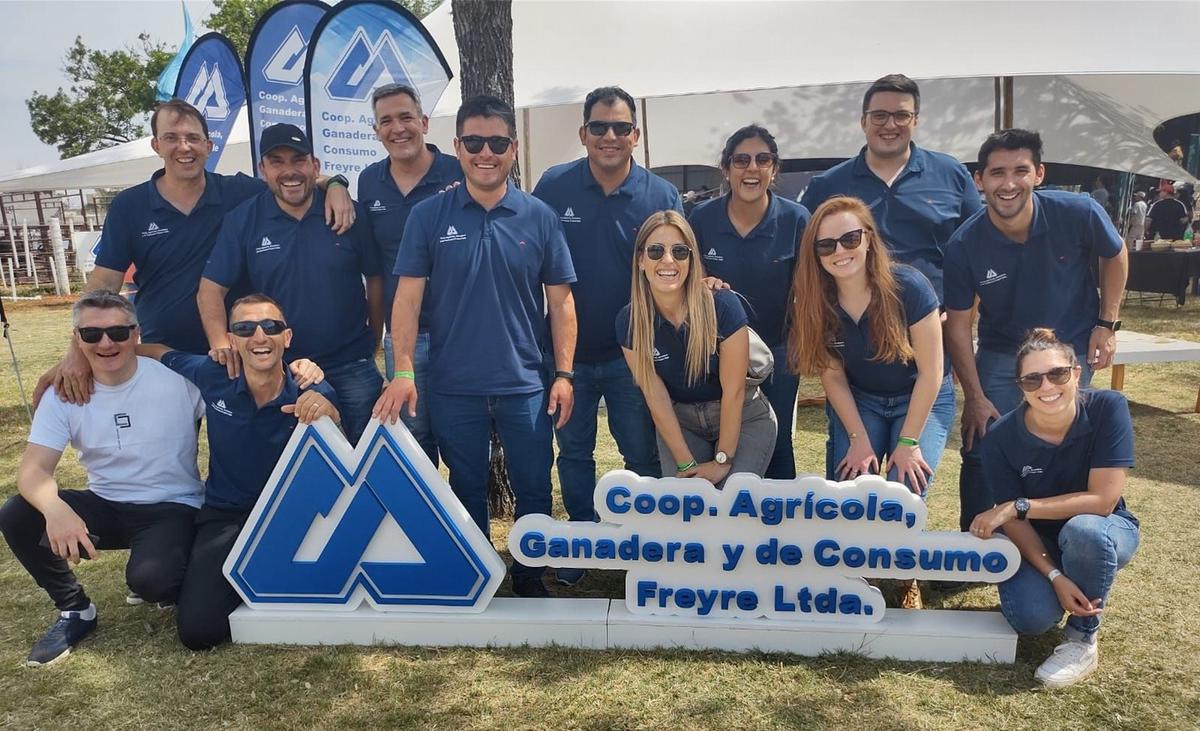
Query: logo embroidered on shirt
(660, 357)
(712, 255)
(992, 277)
(452, 234)
(219, 407)
(154, 230)
(1026, 471)
(569, 216)
(266, 245)
(378, 207)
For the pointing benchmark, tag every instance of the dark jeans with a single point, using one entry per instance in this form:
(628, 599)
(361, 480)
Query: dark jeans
(207, 598)
(420, 425)
(157, 535)
(628, 420)
(780, 389)
(357, 384)
(463, 427)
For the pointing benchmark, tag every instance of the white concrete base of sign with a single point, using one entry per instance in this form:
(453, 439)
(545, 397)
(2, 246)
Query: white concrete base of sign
(936, 635)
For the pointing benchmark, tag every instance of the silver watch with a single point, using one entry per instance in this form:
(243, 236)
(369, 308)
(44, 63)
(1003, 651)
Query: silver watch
(721, 458)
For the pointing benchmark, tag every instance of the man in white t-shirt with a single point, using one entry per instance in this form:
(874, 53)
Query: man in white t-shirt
(1137, 216)
(137, 440)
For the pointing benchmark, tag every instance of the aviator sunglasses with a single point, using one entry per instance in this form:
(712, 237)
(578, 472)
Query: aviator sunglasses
(620, 129)
(1031, 382)
(474, 143)
(848, 240)
(246, 328)
(679, 252)
(115, 333)
(741, 160)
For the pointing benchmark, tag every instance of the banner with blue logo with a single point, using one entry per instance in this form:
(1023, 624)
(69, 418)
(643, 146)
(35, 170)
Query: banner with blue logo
(275, 66)
(211, 80)
(357, 47)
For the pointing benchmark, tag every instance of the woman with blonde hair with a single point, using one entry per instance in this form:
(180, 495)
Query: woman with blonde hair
(689, 351)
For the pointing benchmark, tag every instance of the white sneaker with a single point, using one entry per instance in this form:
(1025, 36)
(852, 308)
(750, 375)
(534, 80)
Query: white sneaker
(1070, 663)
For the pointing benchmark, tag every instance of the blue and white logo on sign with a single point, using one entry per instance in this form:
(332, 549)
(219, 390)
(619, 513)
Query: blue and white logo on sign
(287, 63)
(363, 66)
(336, 525)
(208, 93)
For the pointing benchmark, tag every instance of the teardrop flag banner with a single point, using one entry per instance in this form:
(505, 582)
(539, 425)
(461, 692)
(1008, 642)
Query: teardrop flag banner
(211, 80)
(275, 66)
(357, 47)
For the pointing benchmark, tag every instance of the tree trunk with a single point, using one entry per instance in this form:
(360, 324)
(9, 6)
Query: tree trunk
(483, 30)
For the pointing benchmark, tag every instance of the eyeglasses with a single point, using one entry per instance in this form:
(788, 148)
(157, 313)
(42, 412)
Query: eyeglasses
(848, 240)
(879, 117)
(247, 328)
(1031, 382)
(474, 143)
(620, 129)
(174, 139)
(679, 252)
(742, 160)
(115, 333)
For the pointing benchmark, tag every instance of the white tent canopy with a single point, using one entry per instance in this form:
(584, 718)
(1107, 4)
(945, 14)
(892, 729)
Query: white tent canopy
(702, 69)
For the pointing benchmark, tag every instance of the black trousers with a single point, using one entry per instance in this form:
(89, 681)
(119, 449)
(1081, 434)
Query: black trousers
(207, 598)
(158, 537)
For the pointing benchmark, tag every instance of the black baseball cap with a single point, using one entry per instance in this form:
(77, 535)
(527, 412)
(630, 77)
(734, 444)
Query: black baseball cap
(284, 135)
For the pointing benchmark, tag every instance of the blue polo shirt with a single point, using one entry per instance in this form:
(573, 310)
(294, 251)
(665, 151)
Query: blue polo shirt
(601, 230)
(758, 265)
(670, 349)
(1019, 464)
(486, 270)
(244, 440)
(169, 250)
(1046, 282)
(313, 273)
(917, 214)
(388, 210)
(857, 350)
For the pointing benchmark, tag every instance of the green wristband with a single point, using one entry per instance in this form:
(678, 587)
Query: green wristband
(681, 466)
(908, 442)
(405, 374)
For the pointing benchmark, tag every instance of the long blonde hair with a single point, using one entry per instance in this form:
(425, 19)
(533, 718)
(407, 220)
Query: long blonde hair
(813, 322)
(699, 312)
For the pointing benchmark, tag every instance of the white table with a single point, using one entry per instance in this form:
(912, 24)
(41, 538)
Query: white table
(1134, 347)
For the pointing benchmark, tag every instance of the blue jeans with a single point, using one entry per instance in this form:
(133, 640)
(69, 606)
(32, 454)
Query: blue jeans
(883, 417)
(463, 427)
(357, 384)
(418, 425)
(780, 389)
(998, 378)
(628, 420)
(1090, 551)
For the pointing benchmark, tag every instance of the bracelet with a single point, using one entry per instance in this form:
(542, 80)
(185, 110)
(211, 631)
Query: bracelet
(405, 374)
(908, 442)
(1054, 574)
(853, 435)
(681, 466)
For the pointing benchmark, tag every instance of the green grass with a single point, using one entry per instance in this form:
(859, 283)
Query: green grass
(134, 674)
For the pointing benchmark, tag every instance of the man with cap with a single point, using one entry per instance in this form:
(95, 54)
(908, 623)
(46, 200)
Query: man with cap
(918, 197)
(1168, 217)
(277, 242)
(412, 171)
(601, 200)
(166, 228)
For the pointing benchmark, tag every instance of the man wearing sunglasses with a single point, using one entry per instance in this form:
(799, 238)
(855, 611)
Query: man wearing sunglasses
(1028, 257)
(494, 258)
(918, 197)
(412, 171)
(249, 420)
(166, 228)
(601, 200)
(136, 438)
(278, 242)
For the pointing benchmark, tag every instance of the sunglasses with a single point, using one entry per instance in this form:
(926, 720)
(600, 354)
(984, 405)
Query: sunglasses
(741, 160)
(247, 328)
(620, 129)
(474, 143)
(1031, 382)
(848, 240)
(115, 333)
(902, 118)
(679, 252)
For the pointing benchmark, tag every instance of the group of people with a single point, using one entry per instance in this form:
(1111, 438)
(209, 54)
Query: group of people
(262, 306)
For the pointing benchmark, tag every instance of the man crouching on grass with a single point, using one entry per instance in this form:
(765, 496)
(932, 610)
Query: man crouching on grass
(250, 420)
(136, 438)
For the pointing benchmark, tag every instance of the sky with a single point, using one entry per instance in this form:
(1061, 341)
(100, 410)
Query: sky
(34, 37)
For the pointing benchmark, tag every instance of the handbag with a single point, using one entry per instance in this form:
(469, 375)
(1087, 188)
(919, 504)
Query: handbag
(762, 363)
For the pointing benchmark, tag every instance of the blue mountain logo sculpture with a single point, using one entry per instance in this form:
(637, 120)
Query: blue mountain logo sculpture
(365, 65)
(335, 526)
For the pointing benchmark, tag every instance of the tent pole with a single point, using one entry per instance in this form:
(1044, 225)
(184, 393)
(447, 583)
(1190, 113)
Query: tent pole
(645, 136)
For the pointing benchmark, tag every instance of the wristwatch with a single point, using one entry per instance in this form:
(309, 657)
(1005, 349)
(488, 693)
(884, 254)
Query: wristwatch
(1022, 506)
(1113, 325)
(721, 458)
(338, 180)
